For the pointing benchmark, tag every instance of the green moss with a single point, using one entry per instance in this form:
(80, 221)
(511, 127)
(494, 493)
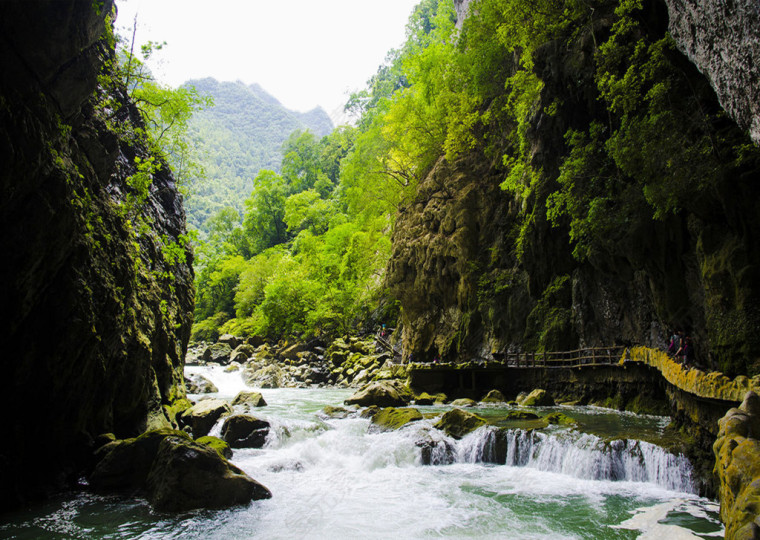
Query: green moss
(221, 447)
(644, 405)
(559, 419)
(391, 418)
(458, 423)
(549, 326)
(176, 408)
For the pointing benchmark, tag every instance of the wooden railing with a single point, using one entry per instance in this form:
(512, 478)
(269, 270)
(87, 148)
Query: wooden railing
(588, 357)
(592, 356)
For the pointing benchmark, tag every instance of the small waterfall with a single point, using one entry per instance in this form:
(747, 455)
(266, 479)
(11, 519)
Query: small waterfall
(576, 454)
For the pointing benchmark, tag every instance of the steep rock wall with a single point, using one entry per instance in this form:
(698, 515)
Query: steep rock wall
(95, 318)
(723, 41)
(466, 292)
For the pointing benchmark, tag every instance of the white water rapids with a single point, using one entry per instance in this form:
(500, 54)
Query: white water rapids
(336, 479)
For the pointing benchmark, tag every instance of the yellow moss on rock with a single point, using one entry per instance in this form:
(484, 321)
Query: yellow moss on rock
(737, 466)
(713, 385)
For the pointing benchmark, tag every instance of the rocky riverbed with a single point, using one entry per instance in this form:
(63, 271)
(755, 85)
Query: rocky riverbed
(344, 362)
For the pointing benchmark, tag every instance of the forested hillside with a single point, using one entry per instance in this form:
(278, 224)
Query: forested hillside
(240, 134)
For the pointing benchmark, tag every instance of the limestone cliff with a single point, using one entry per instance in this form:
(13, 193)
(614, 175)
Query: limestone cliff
(95, 315)
(479, 271)
(723, 41)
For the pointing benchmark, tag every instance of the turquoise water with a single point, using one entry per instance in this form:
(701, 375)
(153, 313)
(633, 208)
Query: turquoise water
(335, 479)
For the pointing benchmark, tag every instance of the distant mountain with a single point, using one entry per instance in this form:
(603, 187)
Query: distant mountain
(241, 134)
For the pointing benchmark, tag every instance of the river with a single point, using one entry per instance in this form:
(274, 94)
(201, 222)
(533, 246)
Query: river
(337, 479)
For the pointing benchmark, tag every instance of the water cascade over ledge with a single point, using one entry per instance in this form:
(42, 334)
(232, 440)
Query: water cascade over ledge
(338, 478)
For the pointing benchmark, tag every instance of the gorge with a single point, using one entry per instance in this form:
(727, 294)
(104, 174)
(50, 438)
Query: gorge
(597, 187)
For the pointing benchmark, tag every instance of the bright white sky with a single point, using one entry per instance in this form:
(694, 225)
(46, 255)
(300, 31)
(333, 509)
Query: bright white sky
(303, 52)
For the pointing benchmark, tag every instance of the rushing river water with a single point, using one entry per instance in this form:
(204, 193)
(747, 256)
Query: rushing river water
(336, 479)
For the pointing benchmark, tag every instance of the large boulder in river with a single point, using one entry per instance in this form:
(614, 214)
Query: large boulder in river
(230, 340)
(198, 384)
(249, 399)
(202, 416)
(270, 376)
(464, 402)
(124, 464)
(218, 353)
(390, 393)
(458, 423)
(243, 352)
(186, 475)
(494, 396)
(391, 418)
(176, 472)
(537, 398)
(245, 431)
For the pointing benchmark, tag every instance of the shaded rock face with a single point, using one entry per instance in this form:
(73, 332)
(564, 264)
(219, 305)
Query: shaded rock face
(467, 291)
(723, 41)
(176, 473)
(95, 323)
(245, 431)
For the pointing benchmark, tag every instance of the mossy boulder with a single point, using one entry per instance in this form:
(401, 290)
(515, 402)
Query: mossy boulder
(335, 412)
(202, 416)
(245, 431)
(198, 384)
(537, 398)
(464, 402)
(369, 412)
(218, 353)
(186, 475)
(458, 423)
(424, 399)
(249, 399)
(229, 340)
(520, 415)
(125, 463)
(737, 465)
(494, 396)
(386, 393)
(391, 418)
(175, 409)
(222, 448)
(559, 418)
(270, 376)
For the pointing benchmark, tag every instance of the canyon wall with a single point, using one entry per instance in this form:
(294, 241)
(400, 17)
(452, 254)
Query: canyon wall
(723, 41)
(96, 281)
(480, 271)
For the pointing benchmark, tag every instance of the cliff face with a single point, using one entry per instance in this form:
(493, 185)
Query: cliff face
(722, 40)
(479, 271)
(96, 313)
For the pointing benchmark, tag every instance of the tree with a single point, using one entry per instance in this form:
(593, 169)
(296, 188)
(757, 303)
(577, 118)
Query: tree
(265, 211)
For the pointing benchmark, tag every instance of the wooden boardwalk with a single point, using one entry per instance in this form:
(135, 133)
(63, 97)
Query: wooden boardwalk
(588, 357)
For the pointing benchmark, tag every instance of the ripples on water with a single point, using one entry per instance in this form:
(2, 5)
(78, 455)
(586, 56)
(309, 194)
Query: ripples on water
(333, 479)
